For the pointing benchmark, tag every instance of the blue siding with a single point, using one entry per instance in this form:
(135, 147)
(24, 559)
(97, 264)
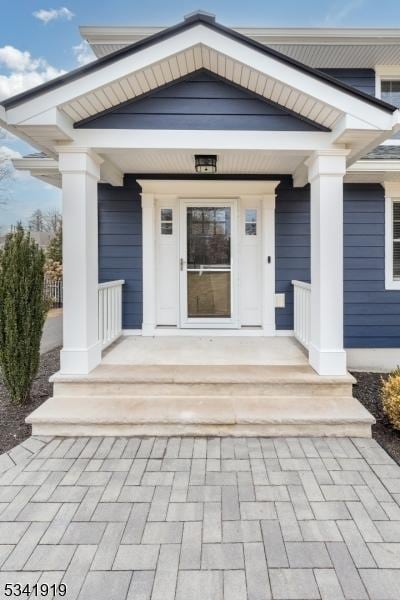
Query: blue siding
(371, 313)
(292, 245)
(120, 246)
(361, 79)
(201, 101)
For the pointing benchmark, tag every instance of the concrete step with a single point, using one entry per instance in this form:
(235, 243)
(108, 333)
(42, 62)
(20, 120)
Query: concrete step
(201, 380)
(202, 415)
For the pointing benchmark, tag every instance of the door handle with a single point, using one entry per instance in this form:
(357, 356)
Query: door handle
(182, 264)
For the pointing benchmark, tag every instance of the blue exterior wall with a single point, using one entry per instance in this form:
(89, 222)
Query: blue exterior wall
(120, 245)
(361, 79)
(292, 245)
(371, 313)
(201, 101)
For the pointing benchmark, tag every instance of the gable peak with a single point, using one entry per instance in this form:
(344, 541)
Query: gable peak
(200, 15)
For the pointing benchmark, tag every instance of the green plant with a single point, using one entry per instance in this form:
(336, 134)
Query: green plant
(391, 397)
(54, 249)
(22, 313)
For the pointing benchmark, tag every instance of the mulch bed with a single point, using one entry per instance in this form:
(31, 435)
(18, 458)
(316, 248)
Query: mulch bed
(368, 392)
(13, 429)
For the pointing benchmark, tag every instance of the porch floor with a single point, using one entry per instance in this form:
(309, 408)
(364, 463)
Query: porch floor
(205, 350)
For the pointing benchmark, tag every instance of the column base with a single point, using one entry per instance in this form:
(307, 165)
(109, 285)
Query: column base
(327, 362)
(80, 361)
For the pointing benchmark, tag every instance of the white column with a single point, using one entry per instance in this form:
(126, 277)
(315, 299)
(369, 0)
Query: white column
(268, 264)
(325, 173)
(149, 264)
(80, 169)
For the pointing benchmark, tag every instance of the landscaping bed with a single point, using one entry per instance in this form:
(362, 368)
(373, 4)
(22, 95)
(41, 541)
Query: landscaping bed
(368, 392)
(13, 429)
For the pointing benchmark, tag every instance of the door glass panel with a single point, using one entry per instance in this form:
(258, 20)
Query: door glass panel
(208, 237)
(209, 294)
(209, 262)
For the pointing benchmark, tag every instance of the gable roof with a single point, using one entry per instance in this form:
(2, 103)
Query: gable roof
(190, 21)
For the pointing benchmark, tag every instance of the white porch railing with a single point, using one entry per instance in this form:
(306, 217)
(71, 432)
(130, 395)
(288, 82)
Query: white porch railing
(302, 311)
(110, 311)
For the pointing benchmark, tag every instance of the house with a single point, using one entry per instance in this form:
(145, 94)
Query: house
(231, 212)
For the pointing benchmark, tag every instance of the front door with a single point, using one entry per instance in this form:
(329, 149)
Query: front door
(207, 264)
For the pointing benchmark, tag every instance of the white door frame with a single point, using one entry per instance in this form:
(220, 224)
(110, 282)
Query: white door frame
(204, 322)
(203, 190)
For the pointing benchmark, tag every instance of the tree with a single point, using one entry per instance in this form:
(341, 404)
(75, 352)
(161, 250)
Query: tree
(52, 220)
(54, 249)
(6, 170)
(36, 221)
(22, 313)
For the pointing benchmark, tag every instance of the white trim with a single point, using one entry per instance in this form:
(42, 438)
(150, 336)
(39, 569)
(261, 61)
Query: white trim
(138, 139)
(149, 263)
(243, 331)
(193, 188)
(111, 34)
(268, 262)
(302, 284)
(373, 359)
(131, 332)
(392, 194)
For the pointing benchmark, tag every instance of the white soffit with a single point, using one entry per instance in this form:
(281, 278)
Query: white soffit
(317, 47)
(183, 63)
(229, 162)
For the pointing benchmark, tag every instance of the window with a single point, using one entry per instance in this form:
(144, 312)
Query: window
(392, 245)
(390, 91)
(166, 221)
(396, 239)
(250, 221)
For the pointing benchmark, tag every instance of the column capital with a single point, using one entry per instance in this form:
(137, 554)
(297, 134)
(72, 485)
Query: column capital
(79, 160)
(329, 162)
(147, 199)
(392, 189)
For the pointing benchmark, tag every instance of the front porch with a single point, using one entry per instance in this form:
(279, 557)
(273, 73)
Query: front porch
(202, 385)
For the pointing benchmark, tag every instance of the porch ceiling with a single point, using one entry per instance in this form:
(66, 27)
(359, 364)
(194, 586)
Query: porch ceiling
(182, 161)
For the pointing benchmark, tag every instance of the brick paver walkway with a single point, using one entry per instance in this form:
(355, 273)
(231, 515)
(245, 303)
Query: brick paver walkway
(204, 519)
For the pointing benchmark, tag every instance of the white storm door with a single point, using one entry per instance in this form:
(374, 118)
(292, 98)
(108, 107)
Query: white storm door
(207, 264)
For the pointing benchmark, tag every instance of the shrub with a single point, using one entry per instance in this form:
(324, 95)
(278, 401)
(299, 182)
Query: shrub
(54, 249)
(53, 269)
(22, 313)
(391, 398)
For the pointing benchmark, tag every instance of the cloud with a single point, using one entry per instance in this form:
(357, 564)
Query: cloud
(24, 71)
(83, 53)
(53, 14)
(337, 14)
(7, 153)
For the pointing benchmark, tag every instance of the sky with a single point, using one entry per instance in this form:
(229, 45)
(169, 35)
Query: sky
(40, 40)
